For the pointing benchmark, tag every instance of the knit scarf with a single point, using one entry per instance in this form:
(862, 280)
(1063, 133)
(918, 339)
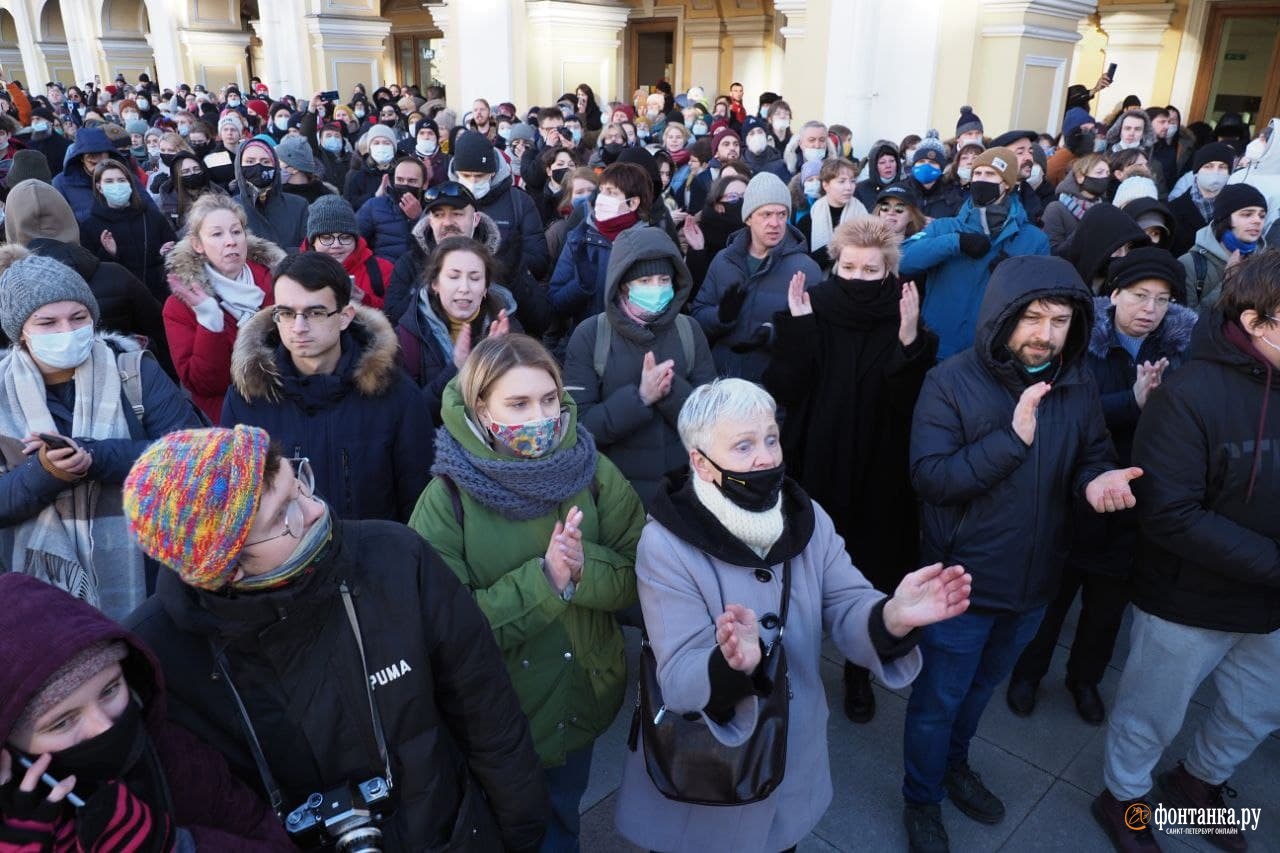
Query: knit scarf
(80, 542)
(679, 157)
(518, 489)
(611, 228)
(1204, 205)
(240, 297)
(759, 531)
(1076, 204)
(820, 218)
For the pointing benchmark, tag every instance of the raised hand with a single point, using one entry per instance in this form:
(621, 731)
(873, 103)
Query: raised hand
(564, 558)
(462, 347)
(411, 206)
(926, 596)
(1149, 378)
(108, 241)
(187, 292)
(1110, 492)
(1024, 415)
(909, 312)
(693, 234)
(738, 636)
(797, 299)
(654, 378)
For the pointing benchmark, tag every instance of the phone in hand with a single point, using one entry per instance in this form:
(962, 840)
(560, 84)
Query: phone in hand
(48, 779)
(53, 442)
(331, 95)
(1111, 72)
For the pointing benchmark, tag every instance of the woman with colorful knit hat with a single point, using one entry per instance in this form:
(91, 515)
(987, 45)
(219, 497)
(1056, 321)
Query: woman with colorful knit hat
(344, 652)
(543, 530)
(78, 407)
(84, 702)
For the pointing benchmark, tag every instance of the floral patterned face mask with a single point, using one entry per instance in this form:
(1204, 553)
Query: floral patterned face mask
(529, 440)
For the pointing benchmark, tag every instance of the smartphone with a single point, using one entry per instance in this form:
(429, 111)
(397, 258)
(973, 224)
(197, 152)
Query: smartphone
(331, 95)
(48, 780)
(53, 442)
(1111, 72)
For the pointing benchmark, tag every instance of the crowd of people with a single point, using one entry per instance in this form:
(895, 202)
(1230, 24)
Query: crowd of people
(341, 439)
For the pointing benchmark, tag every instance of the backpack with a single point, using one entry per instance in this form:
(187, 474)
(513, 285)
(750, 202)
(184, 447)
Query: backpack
(375, 277)
(130, 366)
(604, 339)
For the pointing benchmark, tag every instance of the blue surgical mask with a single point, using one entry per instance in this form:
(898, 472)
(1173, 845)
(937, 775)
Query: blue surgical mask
(282, 123)
(62, 350)
(117, 195)
(651, 298)
(926, 172)
(576, 134)
(332, 144)
(39, 127)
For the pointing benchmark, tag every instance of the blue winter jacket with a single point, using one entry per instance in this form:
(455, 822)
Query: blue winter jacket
(383, 224)
(577, 286)
(75, 183)
(957, 282)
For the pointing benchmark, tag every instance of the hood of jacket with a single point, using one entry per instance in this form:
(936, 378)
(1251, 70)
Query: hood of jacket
(39, 210)
(1148, 132)
(791, 154)
(1103, 229)
(89, 140)
(255, 358)
(486, 232)
(74, 255)
(454, 416)
(880, 148)
(41, 629)
(184, 262)
(1211, 245)
(246, 190)
(1068, 185)
(1015, 284)
(1173, 334)
(644, 244)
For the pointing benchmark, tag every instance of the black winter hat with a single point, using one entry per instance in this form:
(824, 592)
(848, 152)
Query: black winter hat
(1214, 152)
(1236, 197)
(900, 191)
(968, 121)
(653, 266)
(1146, 262)
(473, 152)
(1006, 139)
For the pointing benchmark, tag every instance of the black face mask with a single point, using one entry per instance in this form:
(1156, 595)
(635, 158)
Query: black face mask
(754, 491)
(259, 175)
(104, 757)
(1097, 186)
(201, 148)
(167, 159)
(558, 175)
(612, 150)
(984, 193)
(198, 181)
(399, 191)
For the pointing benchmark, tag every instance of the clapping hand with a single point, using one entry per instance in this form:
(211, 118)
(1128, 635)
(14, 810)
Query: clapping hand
(738, 636)
(1110, 492)
(909, 314)
(693, 234)
(797, 299)
(1024, 415)
(1149, 378)
(655, 379)
(565, 557)
(500, 326)
(926, 596)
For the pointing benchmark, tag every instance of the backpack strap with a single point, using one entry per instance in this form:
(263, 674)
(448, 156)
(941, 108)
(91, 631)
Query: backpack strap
(375, 276)
(129, 363)
(604, 339)
(684, 328)
(1201, 263)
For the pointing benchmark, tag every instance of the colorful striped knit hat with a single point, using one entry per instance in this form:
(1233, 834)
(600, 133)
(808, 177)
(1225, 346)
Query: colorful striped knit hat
(191, 497)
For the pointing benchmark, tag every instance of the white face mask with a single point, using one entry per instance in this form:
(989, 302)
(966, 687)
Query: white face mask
(964, 173)
(1171, 132)
(608, 207)
(426, 148)
(1036, 178)
(1125, 146)
(62, 350)
(143, 103)
(1210, 182)
(812, 187)
(282, 123)
(780, 125)
(479, 189)
(756, 143)
(382, 153)
(811, 154)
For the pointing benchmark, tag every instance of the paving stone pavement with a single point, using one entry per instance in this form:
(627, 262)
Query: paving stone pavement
(1046, 768)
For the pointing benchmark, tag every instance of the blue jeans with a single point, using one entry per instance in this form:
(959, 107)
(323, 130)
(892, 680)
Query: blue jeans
(568, 783)
(964, 659)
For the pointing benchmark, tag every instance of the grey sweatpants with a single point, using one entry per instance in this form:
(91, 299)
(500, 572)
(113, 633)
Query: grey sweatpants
(1167, 663)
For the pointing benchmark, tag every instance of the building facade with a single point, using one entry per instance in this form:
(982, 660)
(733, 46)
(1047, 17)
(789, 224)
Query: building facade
(882, 67)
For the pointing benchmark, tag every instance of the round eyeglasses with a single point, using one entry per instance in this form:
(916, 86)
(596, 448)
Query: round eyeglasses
(294, 519)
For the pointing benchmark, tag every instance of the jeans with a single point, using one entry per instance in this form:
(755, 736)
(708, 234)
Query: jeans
(964, 659)
(567, 783)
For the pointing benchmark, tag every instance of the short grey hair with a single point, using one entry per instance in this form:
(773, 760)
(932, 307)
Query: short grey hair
(736, 399)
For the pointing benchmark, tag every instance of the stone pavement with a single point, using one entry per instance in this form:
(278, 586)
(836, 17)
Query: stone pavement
(1046, 768)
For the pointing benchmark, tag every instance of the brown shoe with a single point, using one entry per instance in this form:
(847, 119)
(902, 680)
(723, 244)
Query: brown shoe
(1127, 823)
(1186, 791)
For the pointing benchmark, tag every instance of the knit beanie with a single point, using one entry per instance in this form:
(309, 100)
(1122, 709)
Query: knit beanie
(1003, 161)
(295, 152)
(1075, 117)
(930, 148)
(473, 152)
(380, 131)
(765, 188)
(1134, 187)
(1232, 198)
(521, 130)
(137, 126)
(232, 119)
(68, 679)
(191, 498)
(28, 163)
(652, 266)
(968, 121)
(331, 214)
(33, 282)
(1147, 262)
(1214, 152)
(719, 135)
(810, 169)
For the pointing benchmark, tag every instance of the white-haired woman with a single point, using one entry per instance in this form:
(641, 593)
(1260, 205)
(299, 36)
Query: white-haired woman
(721, 538)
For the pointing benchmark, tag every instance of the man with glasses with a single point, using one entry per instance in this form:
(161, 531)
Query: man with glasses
(317, 654)
(321, 375)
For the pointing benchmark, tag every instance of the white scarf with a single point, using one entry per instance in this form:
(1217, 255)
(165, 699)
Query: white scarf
(80, 542)
(759, 531)
(820, 216)
(240, 297)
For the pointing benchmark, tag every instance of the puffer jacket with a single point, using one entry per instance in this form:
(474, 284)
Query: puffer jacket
(282, 218)
(957, 282)
(384, 227)
(766, 296)
(1209, 446)
(139, 234)
(458, 744)
(640, 439)
(565, 658)
(362, 181)
(75, 184)
(1060, 222)
(202, 357)
(1206, 267)
(577, 287)
(363, 427)
(992, 503)
(523, 245)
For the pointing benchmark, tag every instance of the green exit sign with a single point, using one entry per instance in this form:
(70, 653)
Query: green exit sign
(1235, 56)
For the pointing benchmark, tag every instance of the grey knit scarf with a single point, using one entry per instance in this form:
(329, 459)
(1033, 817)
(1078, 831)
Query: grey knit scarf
(518, 489)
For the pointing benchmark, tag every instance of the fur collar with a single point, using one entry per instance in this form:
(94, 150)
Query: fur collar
(1172, 337)
(256, 373)
(486, 232)
(189, 266)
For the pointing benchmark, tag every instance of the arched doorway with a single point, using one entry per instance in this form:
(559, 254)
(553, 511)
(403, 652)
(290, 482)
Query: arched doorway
(10, 55)
(125, 28)
(52, 41)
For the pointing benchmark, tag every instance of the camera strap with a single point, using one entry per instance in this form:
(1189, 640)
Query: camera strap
(259, 759)
(378, 734)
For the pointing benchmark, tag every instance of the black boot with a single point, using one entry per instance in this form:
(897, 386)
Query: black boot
(1088, 701)
(859, 700)
(1021, 696)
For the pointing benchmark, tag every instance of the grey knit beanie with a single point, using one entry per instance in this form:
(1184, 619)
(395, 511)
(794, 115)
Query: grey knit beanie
(331, 214)
(68, 679)
(32, 283)
(295, 152)
(380, 131)
(765, 188)
(652, 266)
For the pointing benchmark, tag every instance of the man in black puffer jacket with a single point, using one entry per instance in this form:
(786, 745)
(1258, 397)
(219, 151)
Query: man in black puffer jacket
(1207, 589)
(1006, 435)
(318, 654)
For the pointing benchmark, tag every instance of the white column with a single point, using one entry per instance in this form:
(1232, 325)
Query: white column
(347, 50)
(481, 48)
(797, 77)
(1135, 36)
(705, 38)
(751, 36)
(33, 71)
(571, 43)
(444, 61)
(83, 31)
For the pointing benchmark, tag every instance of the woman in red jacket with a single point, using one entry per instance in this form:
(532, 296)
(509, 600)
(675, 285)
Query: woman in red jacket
(220, 276)
(332, 230)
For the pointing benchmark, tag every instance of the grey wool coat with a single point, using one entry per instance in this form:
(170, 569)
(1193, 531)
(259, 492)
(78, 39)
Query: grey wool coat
(687, 569)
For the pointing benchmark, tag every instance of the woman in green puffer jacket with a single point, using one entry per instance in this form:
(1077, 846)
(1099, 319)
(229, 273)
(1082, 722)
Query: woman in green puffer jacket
(543, 531)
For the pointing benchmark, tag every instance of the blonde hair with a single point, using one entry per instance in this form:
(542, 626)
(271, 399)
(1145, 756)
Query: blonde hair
(177, 140)
(867, 232)
(211, 203)
(1082, 166)
(492, 358)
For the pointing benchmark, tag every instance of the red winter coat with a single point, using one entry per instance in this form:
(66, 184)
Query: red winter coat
(202, 357)
(358, 265)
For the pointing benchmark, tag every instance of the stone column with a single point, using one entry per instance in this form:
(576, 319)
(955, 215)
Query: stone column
(444, 60)
(748, 62)
(569, 43)
(346, 51)
(214, 57)
(801, 76)
(705, 40)
(82, 28)
(28, 65)
(1135, 35)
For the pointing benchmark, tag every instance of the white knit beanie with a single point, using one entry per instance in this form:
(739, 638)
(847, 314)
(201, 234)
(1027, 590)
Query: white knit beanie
(1137, 186)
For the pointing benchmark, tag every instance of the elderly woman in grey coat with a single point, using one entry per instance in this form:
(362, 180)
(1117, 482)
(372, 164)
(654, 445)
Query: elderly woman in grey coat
(710, 559)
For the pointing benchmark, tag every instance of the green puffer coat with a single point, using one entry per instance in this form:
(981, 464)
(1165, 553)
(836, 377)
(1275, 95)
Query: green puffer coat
(565, 659)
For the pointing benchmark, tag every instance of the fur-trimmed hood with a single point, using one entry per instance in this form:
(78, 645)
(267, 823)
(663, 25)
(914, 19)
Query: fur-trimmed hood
(1148, 132)
(1173, 334)
(486, 232)
(255, 360)
(184, 262)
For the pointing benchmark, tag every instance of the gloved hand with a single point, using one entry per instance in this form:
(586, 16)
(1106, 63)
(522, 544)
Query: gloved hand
(761, 338)
(731, 303)
(114, 819)
(975, 245)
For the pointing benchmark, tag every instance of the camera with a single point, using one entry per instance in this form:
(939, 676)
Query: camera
(345, 818)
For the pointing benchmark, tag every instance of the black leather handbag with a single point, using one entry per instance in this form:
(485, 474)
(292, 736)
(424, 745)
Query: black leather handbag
(687, 763)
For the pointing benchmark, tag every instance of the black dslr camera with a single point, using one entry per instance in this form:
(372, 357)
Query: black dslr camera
(345, 818)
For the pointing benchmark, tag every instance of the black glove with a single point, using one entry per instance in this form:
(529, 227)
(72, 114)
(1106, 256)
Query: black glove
(975, 245)
(113, 819)
(757, 340)
(731, 303)
(39, 816)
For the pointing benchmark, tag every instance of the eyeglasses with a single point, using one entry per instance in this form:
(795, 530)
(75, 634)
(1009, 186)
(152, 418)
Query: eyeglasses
(340, 239)
(294, 520)
(1147, 299)
(311, 315)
